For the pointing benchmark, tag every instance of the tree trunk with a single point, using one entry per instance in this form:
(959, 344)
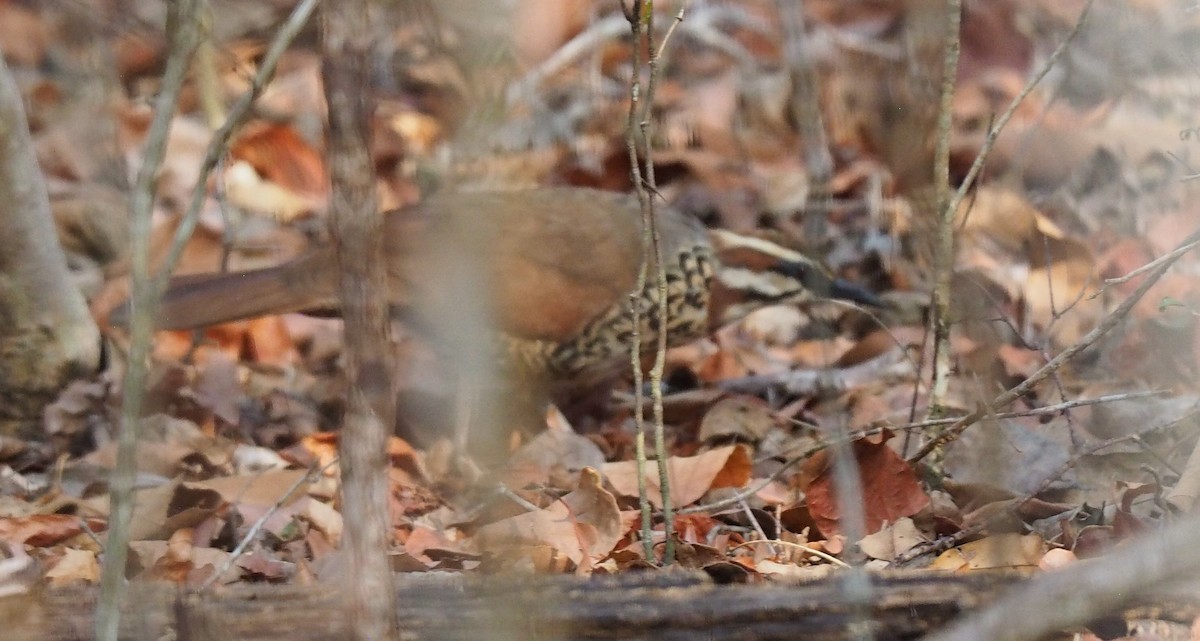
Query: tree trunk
(358, 240)
(47, 336)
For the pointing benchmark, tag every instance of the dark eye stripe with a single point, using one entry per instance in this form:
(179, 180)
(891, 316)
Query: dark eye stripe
(763, 297)
(793, 269)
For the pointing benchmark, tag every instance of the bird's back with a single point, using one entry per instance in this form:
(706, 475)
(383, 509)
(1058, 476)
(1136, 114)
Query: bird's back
(554, 260)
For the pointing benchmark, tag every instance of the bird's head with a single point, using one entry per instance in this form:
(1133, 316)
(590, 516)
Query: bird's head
(753, 273)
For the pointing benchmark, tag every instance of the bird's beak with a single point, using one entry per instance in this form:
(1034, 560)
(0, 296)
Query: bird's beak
(847, 291)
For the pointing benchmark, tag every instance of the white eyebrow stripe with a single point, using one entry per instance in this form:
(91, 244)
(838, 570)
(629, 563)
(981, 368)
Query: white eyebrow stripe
(724, 239)
(766, 283)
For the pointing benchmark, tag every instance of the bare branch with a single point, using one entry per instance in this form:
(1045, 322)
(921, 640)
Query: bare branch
(233, 123)
(183, 23)
(1074, 595)
(1107, 323)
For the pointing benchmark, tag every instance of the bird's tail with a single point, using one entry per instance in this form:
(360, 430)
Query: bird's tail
(199, 300)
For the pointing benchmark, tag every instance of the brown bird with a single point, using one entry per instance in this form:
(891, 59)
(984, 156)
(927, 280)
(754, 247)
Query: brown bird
(557, 266)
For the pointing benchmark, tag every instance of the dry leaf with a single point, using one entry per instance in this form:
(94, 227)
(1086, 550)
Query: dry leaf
(74, 566)
(1002, 551)
(257, 489)
(1061, 279)
(324, 518)
(745, 418)
(175, 564)
(280, 155)
(40, 530)
(218, 388)
(246, 189)
(1057, 558)
(891, 490)
(892, 540)
(583, 526)
(690, 477)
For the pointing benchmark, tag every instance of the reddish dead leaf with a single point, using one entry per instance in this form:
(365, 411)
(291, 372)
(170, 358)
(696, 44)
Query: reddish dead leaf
(890, 489)
(691, 477)
(176, 563)
(260, 340)
(280, 155)
(39, 530)
(591, 504)
(735, 473)
(719, 365)
(1000, 227)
